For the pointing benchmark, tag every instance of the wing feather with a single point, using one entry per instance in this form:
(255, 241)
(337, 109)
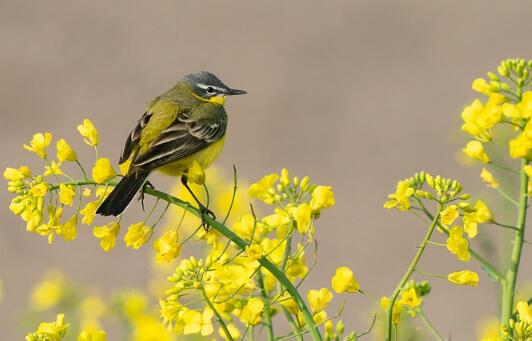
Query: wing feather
(133, 138)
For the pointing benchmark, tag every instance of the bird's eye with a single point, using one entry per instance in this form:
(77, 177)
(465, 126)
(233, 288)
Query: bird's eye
(210, 89)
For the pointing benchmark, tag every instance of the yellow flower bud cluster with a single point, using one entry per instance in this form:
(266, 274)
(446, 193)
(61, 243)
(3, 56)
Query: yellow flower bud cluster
(519, 328)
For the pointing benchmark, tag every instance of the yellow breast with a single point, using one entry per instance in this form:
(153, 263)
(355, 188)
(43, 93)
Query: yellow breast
(204, 157)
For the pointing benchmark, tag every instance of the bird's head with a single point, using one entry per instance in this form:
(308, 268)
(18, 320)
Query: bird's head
(210, 88)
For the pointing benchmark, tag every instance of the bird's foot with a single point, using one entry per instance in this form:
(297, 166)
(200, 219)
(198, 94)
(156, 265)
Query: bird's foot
(205, 212)
(141, 195)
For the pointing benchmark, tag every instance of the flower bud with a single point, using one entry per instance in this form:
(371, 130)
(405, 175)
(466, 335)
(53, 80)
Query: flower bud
(503, 70)
(492, 76)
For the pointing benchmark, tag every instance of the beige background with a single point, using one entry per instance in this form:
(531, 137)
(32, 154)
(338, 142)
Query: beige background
(356, 94)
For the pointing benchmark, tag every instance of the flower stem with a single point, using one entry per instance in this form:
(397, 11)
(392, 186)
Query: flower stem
(267, 314)
(430, 326)
(508, 289)
(408, 273)
(218, 316)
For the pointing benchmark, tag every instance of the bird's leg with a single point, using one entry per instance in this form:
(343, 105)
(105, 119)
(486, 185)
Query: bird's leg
(141, 195)
(204, 211)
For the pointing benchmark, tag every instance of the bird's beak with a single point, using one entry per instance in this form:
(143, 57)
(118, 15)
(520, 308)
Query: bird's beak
(233, 92)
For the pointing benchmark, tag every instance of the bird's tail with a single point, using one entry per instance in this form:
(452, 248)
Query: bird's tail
(124, 192)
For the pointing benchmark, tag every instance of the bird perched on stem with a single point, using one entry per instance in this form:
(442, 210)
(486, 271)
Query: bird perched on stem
(183, 125)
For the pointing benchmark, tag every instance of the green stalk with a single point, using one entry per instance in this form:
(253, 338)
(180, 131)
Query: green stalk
(267, 314)
(508, 289)
(406, 276)
(218, 316)
(430, 326)
(241, 243)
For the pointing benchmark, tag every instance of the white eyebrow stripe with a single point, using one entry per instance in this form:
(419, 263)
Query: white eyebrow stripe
(205, 86)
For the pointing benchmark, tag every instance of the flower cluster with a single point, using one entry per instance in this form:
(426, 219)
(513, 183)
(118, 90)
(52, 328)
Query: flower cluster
(410, 301)
(519, 328)
(56, 331)
(230, 281)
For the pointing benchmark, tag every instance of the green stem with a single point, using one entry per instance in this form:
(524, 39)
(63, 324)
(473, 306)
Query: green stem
(241, 243)
(218, 316)
(508, 289)
(430, 326)
(267, 314)
(406, 276)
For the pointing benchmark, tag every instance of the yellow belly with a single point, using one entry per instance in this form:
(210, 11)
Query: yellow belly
(204, 157)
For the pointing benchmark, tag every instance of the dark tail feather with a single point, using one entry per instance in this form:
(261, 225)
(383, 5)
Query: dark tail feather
(119, 199)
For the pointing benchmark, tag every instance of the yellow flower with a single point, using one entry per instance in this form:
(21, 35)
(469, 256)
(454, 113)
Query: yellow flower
(303, 217)
(480, 85)
(521, 110)
(525, 314)
(196, 322)
(479, 119)
(244, 227)
(464, 277)
(401, 197)
(322, 197)
(102, 170)
(92, 335)
(449, 214)
(48, 292)
(254, 251)
(475, 150)
(457, 244)
(396, 311)
(344, 280)
(488, 178)
(235, 333)
(89, 211)
(68, 230)
(137, 235)
(39, 143)
(289, 303)
(250, 314)
(481, 215)
(13, 174)
(66, 194)
(263, 189)
(520, 146)
(65, 152)
(50, 331)
(107, 235)
(195, 174)
(167, 247)
(318, 300)
(39, 190)
(134, 304)
(53, 169)
(285, 178)
(89, 132)
(410, 298)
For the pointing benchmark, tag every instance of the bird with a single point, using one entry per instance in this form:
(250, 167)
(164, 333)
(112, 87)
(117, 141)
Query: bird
(184, 125)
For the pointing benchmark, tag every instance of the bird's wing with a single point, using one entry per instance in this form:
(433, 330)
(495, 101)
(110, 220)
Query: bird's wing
(184, 137)
(132, 142)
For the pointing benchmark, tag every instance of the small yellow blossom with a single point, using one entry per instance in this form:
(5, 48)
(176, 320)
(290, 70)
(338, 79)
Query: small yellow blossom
(254, 251)
(39, 190)
(87, 192)
(251, 313)
(488, 178)
(396, 312)
(344, 280)
(89, 211)
(102, 170)
(475, 150)
(322, 197)
(285, 178)
(525, 314)
(195, 174)
(233, 330)
(53, 169)
(167, 247)
(50, 331)
(289, 303)
(481, 86)
(65, 152)
(92, 335)
(137, 235)
(89, 132)
(479, 119)
(521, 110)
(303, 217)
(401, 197)
(107, 235)
(449, 214)
(263, 189)
(13, 174)
(464, 277)
(198, 323)
(68, 230)
(39, 143)
(66, 194)
(410, 298)
(520, 146)
(318, 300)
(457, 244)
(48, 292)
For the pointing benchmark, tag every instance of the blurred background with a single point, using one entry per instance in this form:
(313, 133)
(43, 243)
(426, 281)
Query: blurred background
(355, 94)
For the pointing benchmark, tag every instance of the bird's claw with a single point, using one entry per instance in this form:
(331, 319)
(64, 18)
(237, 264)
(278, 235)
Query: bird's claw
(141, 195)
(205, 212)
